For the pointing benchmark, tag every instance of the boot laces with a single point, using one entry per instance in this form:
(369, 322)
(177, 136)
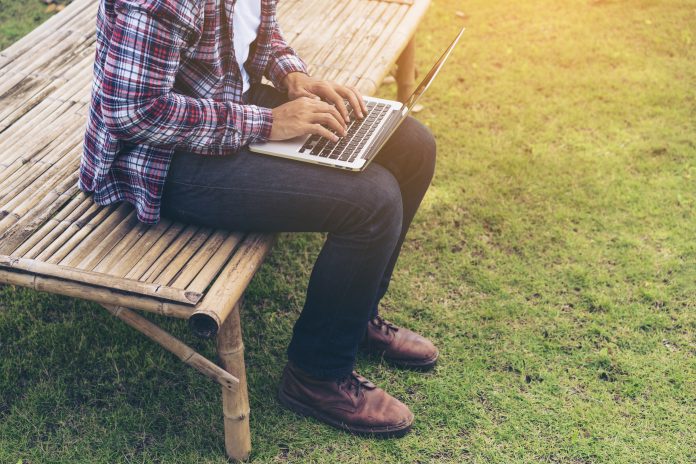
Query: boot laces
(355, 382)
(384, 325)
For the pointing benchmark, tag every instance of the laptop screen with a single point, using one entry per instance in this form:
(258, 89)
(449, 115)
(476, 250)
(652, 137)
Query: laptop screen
(425, 83)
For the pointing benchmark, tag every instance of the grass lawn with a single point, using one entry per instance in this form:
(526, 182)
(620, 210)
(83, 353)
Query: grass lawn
(553, 262)
(17, 18)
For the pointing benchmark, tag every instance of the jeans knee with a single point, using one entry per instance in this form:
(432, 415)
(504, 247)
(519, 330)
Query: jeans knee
(419, 144)
(379, 211)
(387, 208)
(427, 147)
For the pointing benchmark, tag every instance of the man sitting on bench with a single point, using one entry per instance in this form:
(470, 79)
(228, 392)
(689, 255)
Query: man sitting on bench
(177, 98)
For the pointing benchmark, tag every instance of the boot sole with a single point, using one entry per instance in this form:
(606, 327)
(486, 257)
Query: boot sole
(377, 432)
(420, 365)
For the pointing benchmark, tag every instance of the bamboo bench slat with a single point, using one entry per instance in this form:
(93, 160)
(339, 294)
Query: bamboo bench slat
(103, 295)
(120, 260)
(230, 285)
(149, 271)
(100, 280)
(52, 228)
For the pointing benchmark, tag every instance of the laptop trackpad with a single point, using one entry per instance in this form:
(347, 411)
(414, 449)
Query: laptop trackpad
(284, 146)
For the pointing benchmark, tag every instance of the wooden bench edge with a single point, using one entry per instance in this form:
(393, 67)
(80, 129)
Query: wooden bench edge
(95, 279)
(229, 286)
(88, 292)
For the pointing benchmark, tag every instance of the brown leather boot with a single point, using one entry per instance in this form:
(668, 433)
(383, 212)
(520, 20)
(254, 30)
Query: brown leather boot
(353, 403)
(399, 346)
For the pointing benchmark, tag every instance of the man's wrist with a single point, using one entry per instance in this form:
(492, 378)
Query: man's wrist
(293, 78)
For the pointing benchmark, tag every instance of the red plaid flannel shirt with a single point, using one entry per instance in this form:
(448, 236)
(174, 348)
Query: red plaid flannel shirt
(166, 79)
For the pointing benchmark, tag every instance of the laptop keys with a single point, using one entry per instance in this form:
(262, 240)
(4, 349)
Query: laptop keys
(347, 148)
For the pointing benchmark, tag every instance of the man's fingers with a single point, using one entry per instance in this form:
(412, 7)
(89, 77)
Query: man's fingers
(326, 108)
(360, 98)
(304, 93)
(335, 99)
(353, 99)
(330, 121)
(322, 131)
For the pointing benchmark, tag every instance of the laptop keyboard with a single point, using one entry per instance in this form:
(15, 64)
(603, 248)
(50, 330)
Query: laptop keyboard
(358, 132)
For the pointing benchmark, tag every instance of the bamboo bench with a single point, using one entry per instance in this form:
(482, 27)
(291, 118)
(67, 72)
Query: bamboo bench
(53, 238)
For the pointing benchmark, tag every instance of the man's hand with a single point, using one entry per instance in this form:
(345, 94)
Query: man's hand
(306, 116)
(301, 85)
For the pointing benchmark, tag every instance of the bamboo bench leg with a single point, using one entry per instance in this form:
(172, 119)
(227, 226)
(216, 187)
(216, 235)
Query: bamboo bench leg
(406, 71)
(235, 404)
(176, 347)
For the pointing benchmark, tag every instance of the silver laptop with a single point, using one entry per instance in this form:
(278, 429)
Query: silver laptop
(364, 138)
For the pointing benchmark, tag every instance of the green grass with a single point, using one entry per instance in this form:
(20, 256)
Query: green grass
(553, 262)
(17, 18)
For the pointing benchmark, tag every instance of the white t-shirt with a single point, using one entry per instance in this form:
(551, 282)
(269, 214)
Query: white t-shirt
(246, 20)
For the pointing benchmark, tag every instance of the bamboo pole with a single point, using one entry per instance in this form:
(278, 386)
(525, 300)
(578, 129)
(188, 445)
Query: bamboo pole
(27, 248)
(356, 43)
(19, 76)
(311, 29)
(406, 71)
(230, 383)
(147, 270)
(20, 79)
(26, 128)
(25, 213)
(103, 247)
(183, 258)
(230, 285)
(305, 23)
(35, 175)
(61, 47)
(338, 35)
(29, 134)
(235, 405)
(55, 156)
(50, 235)
(392, 41)
(23, 229)
(98, 236)
(183, 275)
(212, 267)
(358, 46)
(64, 67)
(77, 85)
(23, 200)
(121, 259)
(371, 52)
(12, 113)
(139, 265)
(68, 228)
(97, 294)
(299, 11)
(100, 280)
(82, 231)
(83, 21)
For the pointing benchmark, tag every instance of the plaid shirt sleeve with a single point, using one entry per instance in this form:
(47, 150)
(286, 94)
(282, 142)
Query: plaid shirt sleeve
(139, 105)
(283, 59)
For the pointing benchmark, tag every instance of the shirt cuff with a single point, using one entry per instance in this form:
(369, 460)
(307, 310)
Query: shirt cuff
(258, 122)
(284, 65)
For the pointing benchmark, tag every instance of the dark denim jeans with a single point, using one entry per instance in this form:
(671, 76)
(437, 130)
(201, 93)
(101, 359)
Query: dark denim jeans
(366, 215)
